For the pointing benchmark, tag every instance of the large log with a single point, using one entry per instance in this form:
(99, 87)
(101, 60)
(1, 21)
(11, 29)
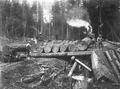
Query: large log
(41, 49)
(114, 43)
(80, 46)
(72, 48)
(84, 44)
(101, 66)
(118, 55)
(115, 58)
(56, 48)
(113, 65)
(64, 48)
(87, 40)
(47, 48)
(37, 55)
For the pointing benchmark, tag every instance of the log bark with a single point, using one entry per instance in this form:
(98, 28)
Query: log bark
(113, 65)
(114, 43)
(72, 69)
(37, 55)
(56, 46)
(118, 55)
(84, 44)
(115, 58)
(87, 40)
(101, 66)
(81, 46)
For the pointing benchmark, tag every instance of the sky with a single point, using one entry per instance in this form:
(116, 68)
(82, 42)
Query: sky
(46, 5)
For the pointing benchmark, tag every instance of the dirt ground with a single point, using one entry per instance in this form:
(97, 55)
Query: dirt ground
(44, 73)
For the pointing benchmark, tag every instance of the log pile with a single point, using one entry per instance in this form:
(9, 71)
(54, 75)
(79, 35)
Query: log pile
(106, 64)
(65, 46)
(53, 46)
(80, 46)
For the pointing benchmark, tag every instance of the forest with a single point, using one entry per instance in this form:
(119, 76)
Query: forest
(21, 20)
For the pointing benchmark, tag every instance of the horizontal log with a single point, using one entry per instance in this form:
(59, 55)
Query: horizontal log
(82, 46)
(47, 54)
(63, 48)
(36, 54)
(56, 48)
(40, 49)
(114, 43)
(48, 49)
(72, 48)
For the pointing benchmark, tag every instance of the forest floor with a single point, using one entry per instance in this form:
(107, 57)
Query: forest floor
(44, 73)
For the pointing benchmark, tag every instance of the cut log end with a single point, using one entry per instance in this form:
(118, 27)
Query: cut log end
(55, 49)
(47, 49)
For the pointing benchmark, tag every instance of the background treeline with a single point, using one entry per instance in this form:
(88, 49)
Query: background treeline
(18, 21)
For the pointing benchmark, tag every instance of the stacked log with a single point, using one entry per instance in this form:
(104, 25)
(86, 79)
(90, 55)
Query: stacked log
(48, 48)
(41, 49)
(64, 46)
(56, 48)
(84, 44)
(72, 48)
(80, 46)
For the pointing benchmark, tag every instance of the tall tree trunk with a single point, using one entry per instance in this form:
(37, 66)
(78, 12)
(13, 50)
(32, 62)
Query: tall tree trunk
(0, 19)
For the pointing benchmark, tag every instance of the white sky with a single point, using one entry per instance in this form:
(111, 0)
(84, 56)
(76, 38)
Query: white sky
(46, 5)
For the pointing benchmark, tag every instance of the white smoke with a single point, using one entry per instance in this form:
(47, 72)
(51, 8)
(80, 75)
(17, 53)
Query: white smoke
(80, 23)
